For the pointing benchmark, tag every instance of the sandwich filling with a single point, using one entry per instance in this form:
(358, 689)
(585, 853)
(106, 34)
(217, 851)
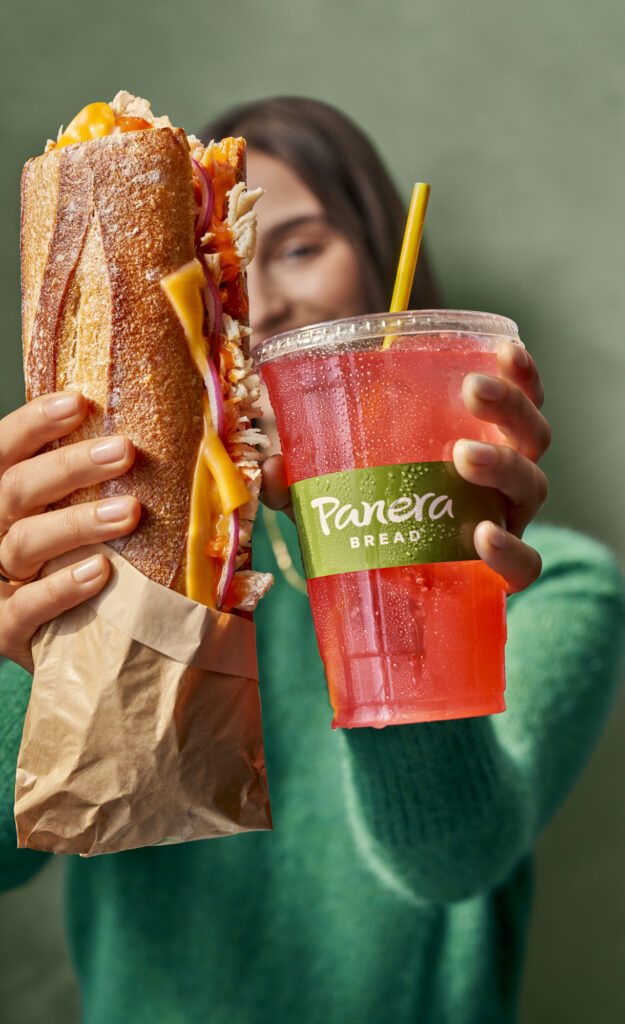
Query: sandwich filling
(209, 297)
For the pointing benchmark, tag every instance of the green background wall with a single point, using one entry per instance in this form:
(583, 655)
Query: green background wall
(516, 115)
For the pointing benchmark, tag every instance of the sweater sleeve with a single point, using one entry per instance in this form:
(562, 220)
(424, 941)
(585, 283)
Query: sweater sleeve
(446, 809)
(16, 866)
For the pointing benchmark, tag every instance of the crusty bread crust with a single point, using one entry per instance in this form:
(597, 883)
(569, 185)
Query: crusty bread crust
(102, 223)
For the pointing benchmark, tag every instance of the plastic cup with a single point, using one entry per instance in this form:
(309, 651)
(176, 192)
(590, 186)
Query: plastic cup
(410, 623)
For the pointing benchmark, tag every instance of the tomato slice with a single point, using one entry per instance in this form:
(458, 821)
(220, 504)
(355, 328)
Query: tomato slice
(124, 123)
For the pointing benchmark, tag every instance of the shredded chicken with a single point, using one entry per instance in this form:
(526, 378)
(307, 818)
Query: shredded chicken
(242, 220)
(256, 584)
(232, 328)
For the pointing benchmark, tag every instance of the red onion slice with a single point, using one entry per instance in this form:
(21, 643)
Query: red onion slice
(215, 398)
(208, 199)
(214, 310)
(228, 567)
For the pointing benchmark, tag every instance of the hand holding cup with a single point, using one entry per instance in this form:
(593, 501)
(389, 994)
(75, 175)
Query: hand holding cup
(512, 402)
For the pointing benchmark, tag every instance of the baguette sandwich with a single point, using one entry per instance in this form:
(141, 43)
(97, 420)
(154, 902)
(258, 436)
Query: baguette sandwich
(135, 238)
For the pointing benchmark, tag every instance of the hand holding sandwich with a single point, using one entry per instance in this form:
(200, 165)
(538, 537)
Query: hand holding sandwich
(31, 536)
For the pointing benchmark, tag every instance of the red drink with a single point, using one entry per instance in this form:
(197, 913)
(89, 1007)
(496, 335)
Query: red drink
(404, 643)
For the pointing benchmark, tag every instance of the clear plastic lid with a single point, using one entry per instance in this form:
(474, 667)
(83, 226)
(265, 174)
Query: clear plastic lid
(343, 334)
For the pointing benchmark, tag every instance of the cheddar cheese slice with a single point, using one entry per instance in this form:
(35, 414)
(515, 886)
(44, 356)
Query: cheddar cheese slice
(218, 486)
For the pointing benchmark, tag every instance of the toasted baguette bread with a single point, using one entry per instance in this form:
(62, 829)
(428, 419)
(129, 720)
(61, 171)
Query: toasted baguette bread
(104, 222)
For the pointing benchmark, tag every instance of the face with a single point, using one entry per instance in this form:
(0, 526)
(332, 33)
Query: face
(304, 270)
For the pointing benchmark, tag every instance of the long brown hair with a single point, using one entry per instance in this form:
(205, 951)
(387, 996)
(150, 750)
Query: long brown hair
(342, 169)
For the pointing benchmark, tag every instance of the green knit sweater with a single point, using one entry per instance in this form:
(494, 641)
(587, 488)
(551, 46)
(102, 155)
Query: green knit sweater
(396, 884)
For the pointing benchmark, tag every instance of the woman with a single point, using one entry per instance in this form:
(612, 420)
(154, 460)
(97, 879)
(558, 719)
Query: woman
(396, 883)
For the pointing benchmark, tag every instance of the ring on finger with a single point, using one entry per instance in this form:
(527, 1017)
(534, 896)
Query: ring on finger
(4, 578)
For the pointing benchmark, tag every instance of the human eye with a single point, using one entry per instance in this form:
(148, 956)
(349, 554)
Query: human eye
(299, 250)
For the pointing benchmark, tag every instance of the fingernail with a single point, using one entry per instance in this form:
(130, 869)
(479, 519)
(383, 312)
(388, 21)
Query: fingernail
(480, 454)
(113, 510)
(487, 388)
(88, 571)
(61, 407)
(497, 537)
(110, 450)
(520, 356)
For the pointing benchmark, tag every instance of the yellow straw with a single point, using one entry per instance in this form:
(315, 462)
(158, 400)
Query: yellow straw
(409, 252)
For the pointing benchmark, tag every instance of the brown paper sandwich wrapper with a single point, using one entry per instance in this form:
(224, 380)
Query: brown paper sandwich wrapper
(144, 723)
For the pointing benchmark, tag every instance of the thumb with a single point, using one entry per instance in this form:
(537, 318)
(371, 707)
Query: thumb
(275, 489)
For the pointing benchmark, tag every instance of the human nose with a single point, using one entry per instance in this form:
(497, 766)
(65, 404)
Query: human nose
(269, 305)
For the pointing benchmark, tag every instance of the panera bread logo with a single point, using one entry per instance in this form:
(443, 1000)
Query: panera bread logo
(380, 517)
(333, 515)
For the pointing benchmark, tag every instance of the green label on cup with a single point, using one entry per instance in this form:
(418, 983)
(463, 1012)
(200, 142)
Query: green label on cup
(385, 516)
